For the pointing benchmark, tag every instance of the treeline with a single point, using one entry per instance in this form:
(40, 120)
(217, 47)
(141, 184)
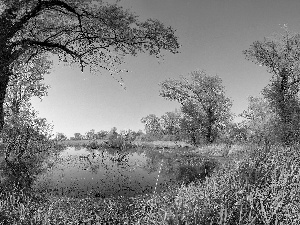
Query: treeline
(129, 135)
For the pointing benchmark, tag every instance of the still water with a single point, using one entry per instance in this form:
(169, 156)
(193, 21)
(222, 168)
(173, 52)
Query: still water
(103, 173)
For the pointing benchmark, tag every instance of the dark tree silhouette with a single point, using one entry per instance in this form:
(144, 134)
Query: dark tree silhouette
(78, 31)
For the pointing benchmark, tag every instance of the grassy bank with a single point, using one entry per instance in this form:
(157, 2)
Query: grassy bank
(254, 185)
(156, 144)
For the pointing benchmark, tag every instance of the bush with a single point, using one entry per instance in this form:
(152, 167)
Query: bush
(27, 145)
(93, 145)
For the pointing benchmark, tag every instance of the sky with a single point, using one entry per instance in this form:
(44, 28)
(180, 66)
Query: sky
(213, 34)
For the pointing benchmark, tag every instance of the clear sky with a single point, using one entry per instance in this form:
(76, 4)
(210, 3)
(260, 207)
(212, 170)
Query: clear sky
(213, 34)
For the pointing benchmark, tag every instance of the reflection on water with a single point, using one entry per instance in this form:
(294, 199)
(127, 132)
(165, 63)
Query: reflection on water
(102, 173)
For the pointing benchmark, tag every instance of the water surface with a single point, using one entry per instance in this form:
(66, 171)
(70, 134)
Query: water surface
(102, 173)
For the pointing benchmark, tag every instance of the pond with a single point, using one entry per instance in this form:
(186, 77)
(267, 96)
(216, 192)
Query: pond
(81, 172)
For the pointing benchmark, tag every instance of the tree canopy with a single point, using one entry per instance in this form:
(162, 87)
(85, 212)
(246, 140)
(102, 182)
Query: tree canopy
(281, 56)
(79, 31)
(202, 97)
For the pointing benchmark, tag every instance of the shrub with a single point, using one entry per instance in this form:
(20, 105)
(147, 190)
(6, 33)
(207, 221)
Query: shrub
(93, 145)
(27, 145)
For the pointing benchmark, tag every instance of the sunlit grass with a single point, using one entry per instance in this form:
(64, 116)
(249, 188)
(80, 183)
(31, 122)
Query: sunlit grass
(255, 187)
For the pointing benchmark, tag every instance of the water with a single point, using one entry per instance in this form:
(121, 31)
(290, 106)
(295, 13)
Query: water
(103, 173)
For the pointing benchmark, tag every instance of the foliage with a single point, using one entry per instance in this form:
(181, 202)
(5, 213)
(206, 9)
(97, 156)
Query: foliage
(167, 127)
(90, 135)
(191, 123)
(27, 146)
(85, 32)
(170, 122)
(120, 141)
(78, 136)
(281, 56)
(236, 133)
(25, 83)
(60, 137)
(101, 134)
(152, 124)
(262, 122)
(203, 100)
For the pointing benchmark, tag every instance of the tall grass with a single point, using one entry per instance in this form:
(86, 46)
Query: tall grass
(263, 188)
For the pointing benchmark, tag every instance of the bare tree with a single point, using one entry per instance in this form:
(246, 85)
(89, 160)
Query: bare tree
(78, 31)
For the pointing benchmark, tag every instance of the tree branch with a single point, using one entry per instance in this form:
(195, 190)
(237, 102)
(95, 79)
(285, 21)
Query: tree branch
(50, 46)
(46, 5)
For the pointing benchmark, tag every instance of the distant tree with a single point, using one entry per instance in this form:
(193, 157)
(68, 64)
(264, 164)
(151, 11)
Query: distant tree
(90, 135)
(201, 98)
(78, 136)
(82, 31)
(128, 135)
(152, 124)
(131, 135)
(101, 134)
(139, 135)
(113, 134)
(281, 56)
(170, 123)
(60, 137)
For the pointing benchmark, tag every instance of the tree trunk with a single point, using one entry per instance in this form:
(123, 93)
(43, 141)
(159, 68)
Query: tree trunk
(285, 108)
(4, 79)
(209, 127)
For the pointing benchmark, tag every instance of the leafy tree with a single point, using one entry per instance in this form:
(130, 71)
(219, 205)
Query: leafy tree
(79, 31)
(236, 133)
(203, 101)
(191, 124)
(113, 134)
(25, 83)
(170, 123)
(60, 137)
(152, 124)
(131, 135)
(261, 121)
(128, 135)
(78, 136)
(101, 134)
(281, 56)
(90, 134)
